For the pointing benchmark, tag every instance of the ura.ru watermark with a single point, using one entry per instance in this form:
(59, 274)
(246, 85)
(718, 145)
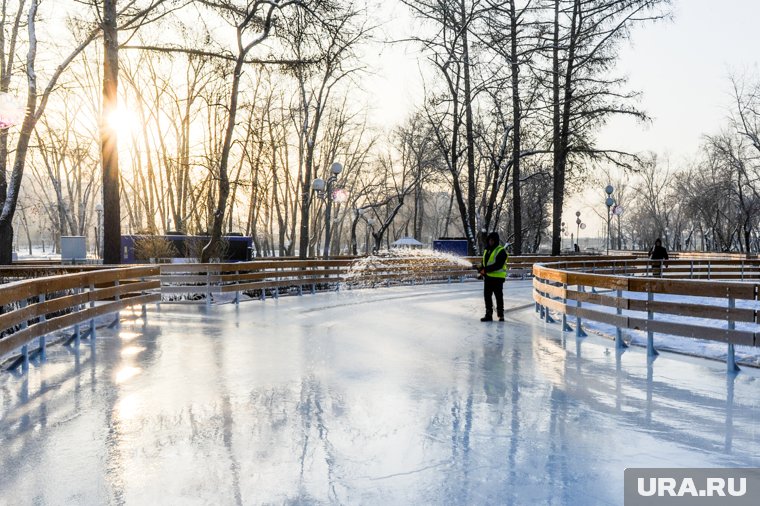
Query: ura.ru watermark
(693, 486)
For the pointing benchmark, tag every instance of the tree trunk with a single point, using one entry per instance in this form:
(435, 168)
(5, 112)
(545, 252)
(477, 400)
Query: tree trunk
(558, 176)
(14, 185)
(108, 138)
(212, 248)
(562, 122)
(470, 224)
(516, 136)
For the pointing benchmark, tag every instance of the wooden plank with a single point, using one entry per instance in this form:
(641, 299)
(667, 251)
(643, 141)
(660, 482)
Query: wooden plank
(553, 290)
(740, 337)
(695, 310)
(21, 290)
(599, 299)
(599, 316)
(549, 274)
(22, 337)
(598, 280)
(194, 289)
(744, 291)
(191, 278)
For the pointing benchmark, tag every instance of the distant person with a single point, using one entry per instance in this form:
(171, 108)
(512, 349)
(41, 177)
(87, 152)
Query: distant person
(493, 270)
(658, 254)
(576, 248)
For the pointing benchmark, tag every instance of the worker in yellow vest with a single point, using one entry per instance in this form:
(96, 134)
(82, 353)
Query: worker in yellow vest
(493, 269)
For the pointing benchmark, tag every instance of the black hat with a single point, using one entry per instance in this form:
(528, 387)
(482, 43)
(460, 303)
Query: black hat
(494, 236)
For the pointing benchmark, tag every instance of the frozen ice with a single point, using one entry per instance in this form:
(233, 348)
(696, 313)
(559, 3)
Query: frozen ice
(387, 396)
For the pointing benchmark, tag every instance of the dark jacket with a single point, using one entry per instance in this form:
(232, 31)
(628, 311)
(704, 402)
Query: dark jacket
(658, 253)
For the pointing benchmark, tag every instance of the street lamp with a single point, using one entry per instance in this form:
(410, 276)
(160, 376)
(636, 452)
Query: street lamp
(562, 236)
(324, 191)
(577, 230)
(609, 202)
(98, 228)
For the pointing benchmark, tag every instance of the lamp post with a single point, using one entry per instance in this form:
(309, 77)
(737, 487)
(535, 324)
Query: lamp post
(577, 230)
(324, 191)
(562, 237)
(609, 202)
(98, 228)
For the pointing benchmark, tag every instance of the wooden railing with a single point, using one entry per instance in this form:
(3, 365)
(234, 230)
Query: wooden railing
(59, 297)
(705, 290)
(34, 308)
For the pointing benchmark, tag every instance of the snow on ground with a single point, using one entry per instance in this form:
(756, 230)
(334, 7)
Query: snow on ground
(388, 396)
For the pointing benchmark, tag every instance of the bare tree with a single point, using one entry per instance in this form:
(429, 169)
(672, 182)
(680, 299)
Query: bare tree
(585, 41)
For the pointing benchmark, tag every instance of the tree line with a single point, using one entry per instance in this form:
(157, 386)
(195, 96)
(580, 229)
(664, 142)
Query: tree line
(230, 110)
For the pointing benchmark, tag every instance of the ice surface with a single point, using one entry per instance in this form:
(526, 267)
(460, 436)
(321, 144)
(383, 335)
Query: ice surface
(387, 396)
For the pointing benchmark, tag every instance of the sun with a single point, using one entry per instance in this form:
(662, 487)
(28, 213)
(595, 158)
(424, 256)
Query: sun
(123, 121)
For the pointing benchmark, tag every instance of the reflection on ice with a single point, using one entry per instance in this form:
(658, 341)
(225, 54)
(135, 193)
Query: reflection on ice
(126, 373)
(128, 336)
(127, 408)
(131, 351)
(382, 397)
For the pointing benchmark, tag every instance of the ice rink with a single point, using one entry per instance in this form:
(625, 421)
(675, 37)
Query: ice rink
(388, 396)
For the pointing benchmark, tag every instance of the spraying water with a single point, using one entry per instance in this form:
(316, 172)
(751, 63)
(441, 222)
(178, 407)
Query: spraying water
(405, 265)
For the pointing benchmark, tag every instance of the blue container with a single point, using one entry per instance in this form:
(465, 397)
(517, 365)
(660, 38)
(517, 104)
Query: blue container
(453, 246)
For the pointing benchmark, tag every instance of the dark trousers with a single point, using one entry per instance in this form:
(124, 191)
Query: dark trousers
(494, 286)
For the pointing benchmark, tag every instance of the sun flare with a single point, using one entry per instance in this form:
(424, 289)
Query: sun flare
(123, 121)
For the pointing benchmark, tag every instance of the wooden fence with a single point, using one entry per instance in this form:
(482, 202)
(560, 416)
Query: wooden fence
(34, 308)
(59, 297)
(704, 290)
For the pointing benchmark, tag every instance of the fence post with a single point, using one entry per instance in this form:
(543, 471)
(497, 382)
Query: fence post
(547, 316)
(691, 269)
(92, 306)
(540, 307)
(731, 367)
(651, 352)
(77, 291)
(160, 292)
(208, 286)
(565, 326)
(619, 343)
(42, 339)
(117, 298)
(144, 307)
(237, 283)
(24, 349)
(578, 328)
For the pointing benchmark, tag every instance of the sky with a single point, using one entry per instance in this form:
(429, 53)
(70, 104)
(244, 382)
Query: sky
(681, 67)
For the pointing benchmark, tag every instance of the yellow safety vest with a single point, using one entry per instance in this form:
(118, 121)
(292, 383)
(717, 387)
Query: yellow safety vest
(499, 273)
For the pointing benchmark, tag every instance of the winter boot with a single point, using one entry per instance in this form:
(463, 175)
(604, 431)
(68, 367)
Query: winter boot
(487, 318)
